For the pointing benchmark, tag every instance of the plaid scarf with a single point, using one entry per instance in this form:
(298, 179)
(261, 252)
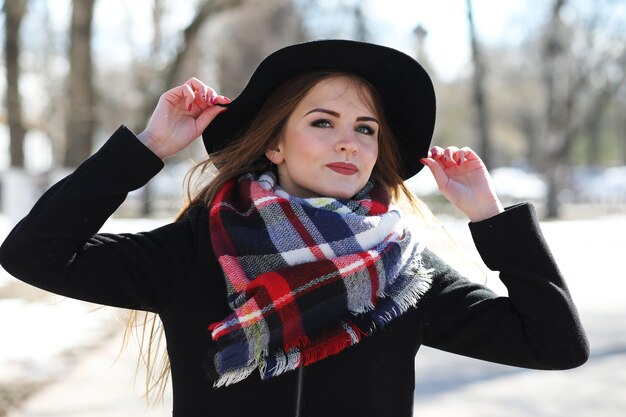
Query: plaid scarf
(306, 278)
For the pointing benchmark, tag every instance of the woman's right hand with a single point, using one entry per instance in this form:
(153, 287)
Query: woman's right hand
(181, 116)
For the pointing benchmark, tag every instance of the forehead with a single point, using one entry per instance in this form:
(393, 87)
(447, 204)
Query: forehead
(340, 90)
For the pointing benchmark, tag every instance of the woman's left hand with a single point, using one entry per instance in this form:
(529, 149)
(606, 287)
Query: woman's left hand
(464, 180)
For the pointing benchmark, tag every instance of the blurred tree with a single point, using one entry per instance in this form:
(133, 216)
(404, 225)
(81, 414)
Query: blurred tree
(583, 66)
(80, 117)
(206, 10)
(623, 133)
(361, 32)
(52, 65)
(598, 108)
(250, 34)
(14, 11)
(171, 73)
(345, 19)
(421, 54)
(158, 10)
(556, 89)
(479, 96)
(557, 135)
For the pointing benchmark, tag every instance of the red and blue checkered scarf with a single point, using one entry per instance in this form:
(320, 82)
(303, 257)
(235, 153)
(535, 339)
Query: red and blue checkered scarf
(306, 277)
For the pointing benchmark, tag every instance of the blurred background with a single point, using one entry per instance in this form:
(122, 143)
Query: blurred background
(536, 87)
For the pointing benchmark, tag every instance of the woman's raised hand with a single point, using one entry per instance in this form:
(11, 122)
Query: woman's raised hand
(464, 180)
(180, 117)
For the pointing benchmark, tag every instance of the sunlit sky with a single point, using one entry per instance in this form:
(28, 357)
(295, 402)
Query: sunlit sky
(447, 42)
(391, 23)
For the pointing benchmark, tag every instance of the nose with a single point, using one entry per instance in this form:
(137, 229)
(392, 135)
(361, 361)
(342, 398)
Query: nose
(347, 142)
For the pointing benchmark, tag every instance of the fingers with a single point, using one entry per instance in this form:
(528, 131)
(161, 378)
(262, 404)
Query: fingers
(452, 155)
(203, 96)
(206, 117)
(195, 94)
(451, 161)
(438, 172)
(199, 94)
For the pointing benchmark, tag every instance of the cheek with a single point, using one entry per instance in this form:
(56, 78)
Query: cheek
(307, 149)
(371, 153)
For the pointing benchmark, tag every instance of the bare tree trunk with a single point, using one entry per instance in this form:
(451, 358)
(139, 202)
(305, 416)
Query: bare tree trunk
(80, 119)
(598, 108)
(479, 94)
(54, 83)
(592, 127)
(14, 10)
(157, 17)
(555, 78)
(158, 10)
(624, 141)
(528, 125)
(361, 32)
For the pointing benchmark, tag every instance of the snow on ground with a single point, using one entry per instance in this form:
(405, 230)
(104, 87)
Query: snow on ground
(38, 337)
(589, 253)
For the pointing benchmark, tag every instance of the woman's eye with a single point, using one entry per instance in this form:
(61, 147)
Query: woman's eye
(366, 130)
(321, 123)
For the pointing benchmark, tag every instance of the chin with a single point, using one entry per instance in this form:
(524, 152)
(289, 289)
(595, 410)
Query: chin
(341, 194)
(332, 188)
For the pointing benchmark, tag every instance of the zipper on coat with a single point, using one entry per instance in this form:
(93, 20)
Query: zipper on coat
(299, 383)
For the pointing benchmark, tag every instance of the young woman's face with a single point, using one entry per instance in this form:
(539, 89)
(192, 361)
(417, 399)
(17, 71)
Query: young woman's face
(330, 142)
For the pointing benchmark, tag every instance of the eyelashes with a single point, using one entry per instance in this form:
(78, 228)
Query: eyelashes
(321, 123)
(363, 129)
(366, 130)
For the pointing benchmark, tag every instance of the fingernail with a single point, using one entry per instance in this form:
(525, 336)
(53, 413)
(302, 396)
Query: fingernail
(213, 100)
(423, 161)
(203, 97)
(434, 153)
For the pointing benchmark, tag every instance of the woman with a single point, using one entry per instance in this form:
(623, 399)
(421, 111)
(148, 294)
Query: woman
(289, 285)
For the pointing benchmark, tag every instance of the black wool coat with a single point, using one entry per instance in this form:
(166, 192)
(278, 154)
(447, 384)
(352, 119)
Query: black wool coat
(172, 271)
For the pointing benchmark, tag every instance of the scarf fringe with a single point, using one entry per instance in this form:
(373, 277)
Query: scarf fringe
(325, 346)
(279, 363)
(332, 345)
(406, 297)
(234, 376)
(401, 303)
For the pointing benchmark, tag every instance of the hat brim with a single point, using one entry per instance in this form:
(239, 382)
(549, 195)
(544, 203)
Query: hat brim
(406, 90)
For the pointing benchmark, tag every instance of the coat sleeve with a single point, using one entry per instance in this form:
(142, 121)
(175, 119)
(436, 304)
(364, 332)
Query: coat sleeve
(536, 326)
(56, 246)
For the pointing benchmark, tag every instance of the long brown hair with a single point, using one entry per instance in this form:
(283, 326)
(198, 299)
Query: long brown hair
(247, 154)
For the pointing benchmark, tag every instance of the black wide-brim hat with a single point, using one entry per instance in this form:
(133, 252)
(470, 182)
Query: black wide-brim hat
(406, 90)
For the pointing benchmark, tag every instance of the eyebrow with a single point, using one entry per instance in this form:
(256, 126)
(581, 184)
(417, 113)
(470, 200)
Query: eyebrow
(337, 115)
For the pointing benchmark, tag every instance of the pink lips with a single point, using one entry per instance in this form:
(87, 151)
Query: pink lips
(343, 168)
